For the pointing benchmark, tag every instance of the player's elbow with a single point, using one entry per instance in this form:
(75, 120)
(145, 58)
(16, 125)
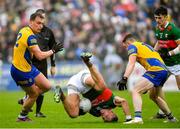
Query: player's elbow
(102, 85)
(73, 115)
(39, 57)
(124, 102)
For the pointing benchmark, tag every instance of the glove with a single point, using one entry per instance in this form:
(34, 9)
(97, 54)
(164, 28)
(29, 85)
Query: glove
(122, 84)
(86, 56)
(57, 47)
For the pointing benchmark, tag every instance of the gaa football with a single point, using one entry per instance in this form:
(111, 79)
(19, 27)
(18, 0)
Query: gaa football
(85, 104)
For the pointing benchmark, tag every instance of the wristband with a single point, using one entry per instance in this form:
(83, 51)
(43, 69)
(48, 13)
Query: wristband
(124, 78)
(52, 51)
(174, 52)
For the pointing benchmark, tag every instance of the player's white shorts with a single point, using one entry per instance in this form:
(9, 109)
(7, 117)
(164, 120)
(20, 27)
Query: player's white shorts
(76, 83)
(175, 70)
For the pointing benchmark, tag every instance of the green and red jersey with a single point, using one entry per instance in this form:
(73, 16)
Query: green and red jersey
(166, 38)
(100, 100)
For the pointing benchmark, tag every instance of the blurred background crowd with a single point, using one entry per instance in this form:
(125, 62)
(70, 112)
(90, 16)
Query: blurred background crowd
(86, 25)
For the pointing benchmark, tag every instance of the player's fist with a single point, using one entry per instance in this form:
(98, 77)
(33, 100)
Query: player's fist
(122, 84)
(57, 47)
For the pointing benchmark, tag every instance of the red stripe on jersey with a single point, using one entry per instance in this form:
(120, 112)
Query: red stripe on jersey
(167, 43)
(103, 97)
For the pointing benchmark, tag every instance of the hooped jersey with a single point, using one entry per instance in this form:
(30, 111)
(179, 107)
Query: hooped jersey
(100, 100)
(146, 56)
(166, 38)
(22, 55)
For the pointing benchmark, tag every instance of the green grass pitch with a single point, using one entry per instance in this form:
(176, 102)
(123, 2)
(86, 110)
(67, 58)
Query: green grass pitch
(57, 117)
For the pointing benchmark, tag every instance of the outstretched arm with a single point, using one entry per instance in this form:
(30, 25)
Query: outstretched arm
(156, 47)
(130, 66)
(118, 101)
(95, 74)
(40, 55)
(176, 50)
(122, 84)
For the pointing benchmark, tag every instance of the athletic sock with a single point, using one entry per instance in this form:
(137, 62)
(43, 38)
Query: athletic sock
(128, 117)
(138, 114)
(39, 102)
(161, 112)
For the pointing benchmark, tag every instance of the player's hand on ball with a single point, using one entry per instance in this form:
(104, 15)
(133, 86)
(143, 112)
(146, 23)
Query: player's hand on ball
(122, 84)
(57, 47)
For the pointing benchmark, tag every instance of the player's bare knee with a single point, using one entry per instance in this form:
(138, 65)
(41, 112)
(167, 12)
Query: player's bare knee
(34, 95)
(48, 88)
(153, 97)
(134, 92)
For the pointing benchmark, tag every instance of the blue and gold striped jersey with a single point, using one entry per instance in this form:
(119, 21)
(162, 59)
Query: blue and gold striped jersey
(21, 54)
(146, 56)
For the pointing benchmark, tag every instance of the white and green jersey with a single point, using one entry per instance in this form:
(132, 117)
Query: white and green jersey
(166, 38)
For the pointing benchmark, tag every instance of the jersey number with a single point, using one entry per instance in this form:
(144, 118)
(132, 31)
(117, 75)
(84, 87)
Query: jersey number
(18, 37)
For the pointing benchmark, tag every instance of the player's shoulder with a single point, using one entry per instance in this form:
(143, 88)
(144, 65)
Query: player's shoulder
(135, 44)
(46, 28)
(26, 31)
(170, 26)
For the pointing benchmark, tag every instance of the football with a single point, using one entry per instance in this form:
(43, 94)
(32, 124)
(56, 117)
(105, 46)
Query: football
(85, 105)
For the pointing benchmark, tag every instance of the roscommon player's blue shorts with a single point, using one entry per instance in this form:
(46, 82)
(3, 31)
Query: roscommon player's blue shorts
(24, 78)
(158, 78)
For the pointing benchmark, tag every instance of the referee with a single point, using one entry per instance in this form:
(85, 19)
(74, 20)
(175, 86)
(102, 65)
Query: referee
(45, 41)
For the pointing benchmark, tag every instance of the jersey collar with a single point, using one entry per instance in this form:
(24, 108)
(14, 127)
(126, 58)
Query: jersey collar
(167, 23)
(162, 28)
(31, 29)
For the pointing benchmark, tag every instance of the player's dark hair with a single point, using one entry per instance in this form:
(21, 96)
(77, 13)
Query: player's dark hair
(41, 11)
(114, 119)
(162, 10)
(34, 15)
(127, 37)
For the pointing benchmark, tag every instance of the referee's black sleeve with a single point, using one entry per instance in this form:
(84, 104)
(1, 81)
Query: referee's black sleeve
(52, 41)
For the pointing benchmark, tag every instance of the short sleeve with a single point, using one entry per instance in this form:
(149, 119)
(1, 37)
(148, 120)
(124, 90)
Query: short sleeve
(176, 32)
(32, 40)
(132, 49)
